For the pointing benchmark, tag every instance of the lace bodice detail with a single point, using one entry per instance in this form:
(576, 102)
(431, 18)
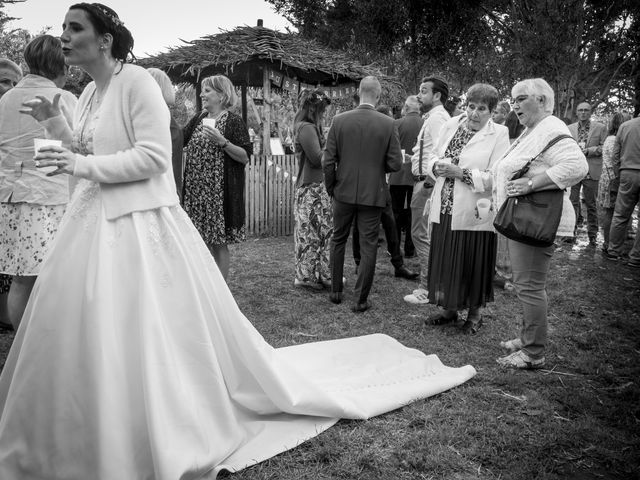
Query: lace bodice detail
(82, 139)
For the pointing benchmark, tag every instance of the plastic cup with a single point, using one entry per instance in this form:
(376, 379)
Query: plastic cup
(39, 143)
(483, 205)
(209, 122)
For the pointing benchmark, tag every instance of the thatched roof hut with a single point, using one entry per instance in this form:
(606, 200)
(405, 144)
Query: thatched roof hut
(260, 57)
(238, 52)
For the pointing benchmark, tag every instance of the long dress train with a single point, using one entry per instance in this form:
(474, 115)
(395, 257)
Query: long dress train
(133, 361)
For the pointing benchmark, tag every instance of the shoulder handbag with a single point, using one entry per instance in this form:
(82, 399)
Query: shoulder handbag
(533, 218)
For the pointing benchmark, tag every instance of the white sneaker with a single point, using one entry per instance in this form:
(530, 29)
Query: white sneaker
(419, 297)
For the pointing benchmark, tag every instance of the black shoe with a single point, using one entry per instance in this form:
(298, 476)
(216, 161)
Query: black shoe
(361, 307)
(471, 327)
(6, 326)
(593, 242)
(499, 282)
(440, 319)
(404, 272)
(569, 240)
(610, 255)
(335, 297)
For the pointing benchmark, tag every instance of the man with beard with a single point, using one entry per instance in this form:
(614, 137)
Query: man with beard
(433, 94)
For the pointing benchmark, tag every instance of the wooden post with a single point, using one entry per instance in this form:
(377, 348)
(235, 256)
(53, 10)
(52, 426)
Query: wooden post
(243, 90)
(198, 99)
(266, 111)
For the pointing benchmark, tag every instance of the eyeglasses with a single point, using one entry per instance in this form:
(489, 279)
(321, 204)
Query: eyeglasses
(583, 110)
(519, 99)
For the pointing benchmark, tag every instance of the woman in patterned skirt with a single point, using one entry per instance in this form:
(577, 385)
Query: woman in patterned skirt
(463, 241)
(217, 148)
(312, 208)
(31, 202)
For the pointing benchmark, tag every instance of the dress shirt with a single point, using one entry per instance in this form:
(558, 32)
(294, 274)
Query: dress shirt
(429, 132)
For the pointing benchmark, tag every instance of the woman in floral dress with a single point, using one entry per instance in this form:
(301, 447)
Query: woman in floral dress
(217, 148)
(606, 200)
(312, 208)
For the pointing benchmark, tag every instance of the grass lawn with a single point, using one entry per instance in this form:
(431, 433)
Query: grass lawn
(578, 419)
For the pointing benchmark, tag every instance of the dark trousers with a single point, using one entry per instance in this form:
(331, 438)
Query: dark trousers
(390, 233)
(368, 221)
(589, 191)
(400, 203)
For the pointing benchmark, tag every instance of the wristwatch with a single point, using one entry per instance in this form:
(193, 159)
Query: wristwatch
(225, 144)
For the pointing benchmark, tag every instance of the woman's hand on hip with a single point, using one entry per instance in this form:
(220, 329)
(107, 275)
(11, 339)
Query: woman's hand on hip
(519, 186)
(62, 158)
(41, 108)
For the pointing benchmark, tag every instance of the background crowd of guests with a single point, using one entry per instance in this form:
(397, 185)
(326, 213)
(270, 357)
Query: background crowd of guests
(434, 179)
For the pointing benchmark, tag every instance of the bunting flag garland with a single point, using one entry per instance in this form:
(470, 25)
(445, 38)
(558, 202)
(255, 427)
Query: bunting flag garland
(275, 77)
(345, 90)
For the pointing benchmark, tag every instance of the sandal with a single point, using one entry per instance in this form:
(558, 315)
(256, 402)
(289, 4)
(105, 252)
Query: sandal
(521, 361)
(471, 327)
(512, 346)
(440, 319)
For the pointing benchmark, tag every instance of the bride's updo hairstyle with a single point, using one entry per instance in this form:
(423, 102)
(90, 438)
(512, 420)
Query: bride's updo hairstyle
(105, 20)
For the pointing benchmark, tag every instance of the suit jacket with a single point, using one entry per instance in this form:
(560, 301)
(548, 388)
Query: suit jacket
(597, 136)
(362, 146)
(408, 129)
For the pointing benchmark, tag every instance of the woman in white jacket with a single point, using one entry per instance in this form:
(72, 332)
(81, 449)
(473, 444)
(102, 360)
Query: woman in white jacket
(463, 241)
(133, 360)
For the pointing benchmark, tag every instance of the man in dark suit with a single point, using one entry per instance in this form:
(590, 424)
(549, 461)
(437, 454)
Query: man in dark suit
(362, 146)
(401, 182)
(590, 136)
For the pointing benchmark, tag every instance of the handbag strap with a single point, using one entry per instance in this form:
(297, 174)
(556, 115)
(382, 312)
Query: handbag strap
(520, 173)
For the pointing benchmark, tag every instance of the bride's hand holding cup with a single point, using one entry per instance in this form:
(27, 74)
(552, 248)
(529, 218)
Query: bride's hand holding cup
(63, 159)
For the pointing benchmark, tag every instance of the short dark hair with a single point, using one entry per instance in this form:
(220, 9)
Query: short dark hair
(382, 108)
(485, 93)
(106, 20)
(44, 57)
(439, 86)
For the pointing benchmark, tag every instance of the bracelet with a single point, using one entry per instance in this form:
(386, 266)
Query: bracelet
(225, 144)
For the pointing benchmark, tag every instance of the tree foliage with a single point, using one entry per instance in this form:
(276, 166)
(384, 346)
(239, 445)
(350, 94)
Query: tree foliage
(586, 49)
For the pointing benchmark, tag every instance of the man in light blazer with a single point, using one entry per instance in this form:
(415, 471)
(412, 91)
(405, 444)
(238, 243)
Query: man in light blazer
(362, 146)
(590, 136)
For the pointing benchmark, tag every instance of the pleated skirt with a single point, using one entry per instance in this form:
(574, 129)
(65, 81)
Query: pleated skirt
(461, 266)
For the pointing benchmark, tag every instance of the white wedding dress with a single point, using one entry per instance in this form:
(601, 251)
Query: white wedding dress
(133, 362)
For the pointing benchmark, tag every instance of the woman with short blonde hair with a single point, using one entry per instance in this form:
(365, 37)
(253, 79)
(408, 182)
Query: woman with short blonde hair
(217, 147)
(559, 167)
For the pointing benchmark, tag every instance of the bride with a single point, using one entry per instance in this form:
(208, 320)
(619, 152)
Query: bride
(133, 360)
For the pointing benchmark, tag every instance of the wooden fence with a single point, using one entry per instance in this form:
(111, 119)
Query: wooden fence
(269, 194)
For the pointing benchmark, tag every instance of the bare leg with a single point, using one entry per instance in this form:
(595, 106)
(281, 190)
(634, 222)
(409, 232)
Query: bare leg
(18, 297)
(221, 255)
